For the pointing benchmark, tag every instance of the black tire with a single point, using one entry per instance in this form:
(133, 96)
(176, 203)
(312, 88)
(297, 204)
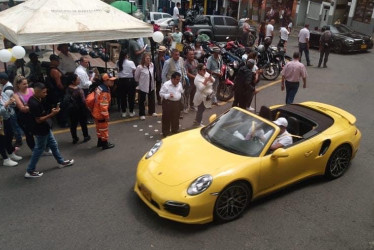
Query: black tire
(232, 202)
(338, 48)
(271, 72)
(339, 162)
(225, 91)
(251, 40)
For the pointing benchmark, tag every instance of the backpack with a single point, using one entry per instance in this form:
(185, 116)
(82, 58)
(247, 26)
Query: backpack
(90, 100)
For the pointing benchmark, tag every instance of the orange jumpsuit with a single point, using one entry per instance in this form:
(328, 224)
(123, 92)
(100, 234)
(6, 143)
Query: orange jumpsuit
(100, 112)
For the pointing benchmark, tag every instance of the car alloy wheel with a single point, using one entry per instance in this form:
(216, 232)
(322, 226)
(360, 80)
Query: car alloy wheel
(232, 201)
(338, 48)
(338, 162)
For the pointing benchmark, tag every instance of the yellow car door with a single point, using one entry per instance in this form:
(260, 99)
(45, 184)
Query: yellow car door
(287, 165)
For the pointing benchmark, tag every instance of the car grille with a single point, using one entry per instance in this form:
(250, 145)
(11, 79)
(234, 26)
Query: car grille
(177, 208)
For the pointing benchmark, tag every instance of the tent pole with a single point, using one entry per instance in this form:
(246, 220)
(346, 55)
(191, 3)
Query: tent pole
(53, 49)
(106, 53)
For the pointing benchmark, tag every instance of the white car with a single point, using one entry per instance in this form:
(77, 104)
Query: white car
(165, 23)
(155, 16)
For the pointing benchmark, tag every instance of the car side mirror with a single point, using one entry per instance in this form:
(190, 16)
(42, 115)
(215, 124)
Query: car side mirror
(212, 118)
(279, 153)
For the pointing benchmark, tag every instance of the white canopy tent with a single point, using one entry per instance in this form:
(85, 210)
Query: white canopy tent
(42, 22)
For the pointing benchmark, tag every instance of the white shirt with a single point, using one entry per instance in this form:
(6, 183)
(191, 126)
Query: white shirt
(83, 76)
(303, 35)
(140, 41)
(284, 33)
(67, 63)
(202, 91)
(128, 68)
(169, 88)
(175, 13)
(269, 30)
(285, 139)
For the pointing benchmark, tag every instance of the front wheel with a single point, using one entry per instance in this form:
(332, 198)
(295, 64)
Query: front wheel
(224, 91)
(232, 202)
(271, 72)
(338, 162)
(338, 48)
(251, 40)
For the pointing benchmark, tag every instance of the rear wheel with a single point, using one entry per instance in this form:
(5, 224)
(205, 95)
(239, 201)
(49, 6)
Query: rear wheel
(338, 48)
(225, 91)
(251, 40)
(232, 202)
(338, 162)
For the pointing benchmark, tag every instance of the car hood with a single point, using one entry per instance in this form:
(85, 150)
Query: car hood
(186, 156)
(353, 35)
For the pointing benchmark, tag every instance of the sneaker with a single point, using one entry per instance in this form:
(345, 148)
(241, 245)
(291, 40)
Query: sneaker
(124, 115)
(33, 175)
(250, 109)
(192, 108)
(15, 157)
(132, 114)
(87, 138)
(185, 111)
(154, 115)
(47, 153)
(9, 163)
(66, 163)
(142, 117)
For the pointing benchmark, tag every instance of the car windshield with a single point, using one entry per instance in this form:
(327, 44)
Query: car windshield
(340, 29)
(239, 133)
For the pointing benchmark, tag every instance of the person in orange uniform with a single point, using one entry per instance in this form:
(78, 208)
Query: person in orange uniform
(100, 111)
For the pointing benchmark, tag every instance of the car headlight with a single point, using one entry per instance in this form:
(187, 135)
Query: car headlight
(153, 150)
(349, 41)
(200, 185)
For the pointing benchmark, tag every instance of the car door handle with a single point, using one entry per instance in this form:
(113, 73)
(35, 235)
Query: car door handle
(307, 154)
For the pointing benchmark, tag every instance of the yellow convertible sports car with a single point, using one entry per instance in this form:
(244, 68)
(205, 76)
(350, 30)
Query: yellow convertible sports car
(212, 173)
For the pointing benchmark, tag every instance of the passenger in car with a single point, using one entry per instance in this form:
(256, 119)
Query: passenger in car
(284, 139)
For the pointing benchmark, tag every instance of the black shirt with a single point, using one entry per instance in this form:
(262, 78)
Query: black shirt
(37, 109)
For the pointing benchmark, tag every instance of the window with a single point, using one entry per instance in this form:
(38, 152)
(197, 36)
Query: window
(157, 16)
(231, 22)
(218, 21)
(313, 12)
(363, 11)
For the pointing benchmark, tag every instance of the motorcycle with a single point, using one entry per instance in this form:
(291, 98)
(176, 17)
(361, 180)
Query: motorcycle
(268, 62)
(229, 69)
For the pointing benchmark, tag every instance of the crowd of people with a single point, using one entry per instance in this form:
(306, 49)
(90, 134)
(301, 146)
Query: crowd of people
(74, 95)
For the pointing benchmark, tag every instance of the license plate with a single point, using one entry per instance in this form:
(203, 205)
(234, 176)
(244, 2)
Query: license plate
(145, 192)
(363, 46)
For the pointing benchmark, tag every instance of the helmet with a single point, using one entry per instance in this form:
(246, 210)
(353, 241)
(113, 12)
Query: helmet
(244, 57)
(261, 48)
(187, 34)
(267, 41)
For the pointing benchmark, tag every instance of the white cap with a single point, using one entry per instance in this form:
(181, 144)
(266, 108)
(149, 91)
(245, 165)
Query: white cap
(281, 122)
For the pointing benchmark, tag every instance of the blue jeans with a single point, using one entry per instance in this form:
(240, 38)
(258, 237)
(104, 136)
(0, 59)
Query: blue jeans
(304, 47)
(41, 142)
(291, 90)
(16, 128)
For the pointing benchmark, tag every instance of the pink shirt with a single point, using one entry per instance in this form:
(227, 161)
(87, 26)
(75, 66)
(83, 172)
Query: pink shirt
(25, 98)
(293, 71)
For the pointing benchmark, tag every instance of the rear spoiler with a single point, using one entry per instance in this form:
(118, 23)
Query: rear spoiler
(326, 107)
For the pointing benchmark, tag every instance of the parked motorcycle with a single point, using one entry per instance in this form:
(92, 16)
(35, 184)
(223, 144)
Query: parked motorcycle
(268, 62)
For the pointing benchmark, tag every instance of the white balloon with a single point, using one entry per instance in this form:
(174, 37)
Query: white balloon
(18, 52)
(5, 55)
(158, 36)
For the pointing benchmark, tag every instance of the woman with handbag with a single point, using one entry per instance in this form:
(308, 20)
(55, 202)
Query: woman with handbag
(144, 75)
(204, 91)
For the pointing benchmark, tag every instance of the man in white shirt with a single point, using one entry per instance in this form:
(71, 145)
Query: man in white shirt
(283, 37)
(176, 15)
(284, 139)
(67, 63)
(171, 93)
(270, 29)
(304, 36)
(81, 71)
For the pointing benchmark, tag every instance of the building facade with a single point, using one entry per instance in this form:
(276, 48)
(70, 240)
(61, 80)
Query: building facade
(357, 14)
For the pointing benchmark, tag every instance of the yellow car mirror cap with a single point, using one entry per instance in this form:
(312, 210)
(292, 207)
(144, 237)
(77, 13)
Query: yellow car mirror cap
(212, 118)
(279, 153)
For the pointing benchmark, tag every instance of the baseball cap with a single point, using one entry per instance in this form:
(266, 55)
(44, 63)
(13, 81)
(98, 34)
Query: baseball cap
(54, 57)
(216, 50)
(251, 61)
(106, 77)
(33, 55)
(4, 76)
(281, 122)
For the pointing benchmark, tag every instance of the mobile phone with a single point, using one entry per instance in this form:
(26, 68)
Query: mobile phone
(58, 105)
